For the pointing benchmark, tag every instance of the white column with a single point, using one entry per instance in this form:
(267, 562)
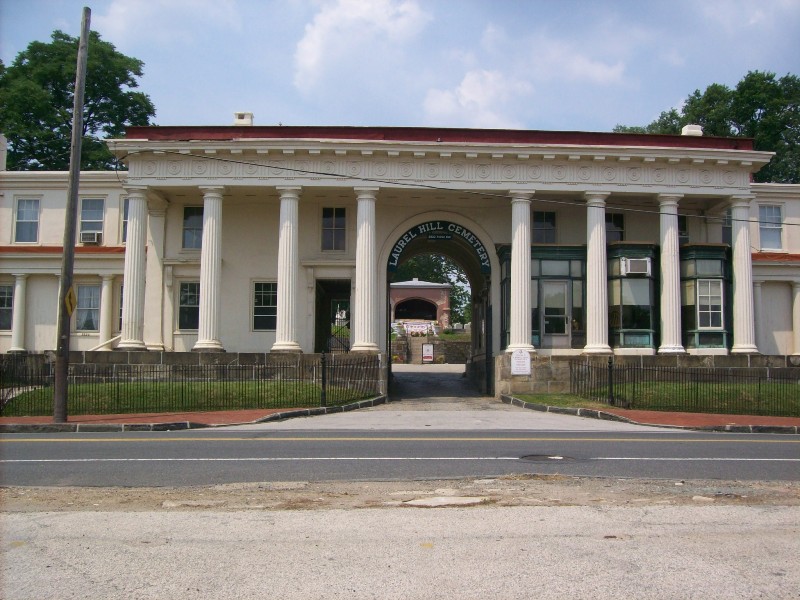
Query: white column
(288, 267)
(134, 276)
(796, 317)
(520, 317)
(596, 275)
(210, 271)
(106, 310)
(18, 313)
(744, 341)
(154, 294)
(757, 312)
(670, 277)
(365, 311)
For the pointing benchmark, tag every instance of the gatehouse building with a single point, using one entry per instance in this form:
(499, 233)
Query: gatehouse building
(251, 239)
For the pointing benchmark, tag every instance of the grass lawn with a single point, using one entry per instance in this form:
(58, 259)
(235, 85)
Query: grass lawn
(147, 397)
(775, 399)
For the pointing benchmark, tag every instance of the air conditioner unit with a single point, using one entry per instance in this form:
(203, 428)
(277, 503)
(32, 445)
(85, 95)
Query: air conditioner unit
(91, 238)
(634, 266)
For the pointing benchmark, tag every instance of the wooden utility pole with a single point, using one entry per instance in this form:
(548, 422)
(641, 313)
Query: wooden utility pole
(66, 294)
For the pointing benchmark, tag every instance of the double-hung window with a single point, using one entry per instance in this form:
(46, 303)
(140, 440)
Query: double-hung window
(6, 306)
(770, 226)
(192, 227)
(544, 228)
(615, 227)
(727, 227)
(88, 308)
(333, 228)
(26, 229)
(709, 303)
(124, 220)
(265, 306)
(92, 215)
(189, 305)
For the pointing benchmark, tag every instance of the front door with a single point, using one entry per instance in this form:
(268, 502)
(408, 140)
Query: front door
(555, 314)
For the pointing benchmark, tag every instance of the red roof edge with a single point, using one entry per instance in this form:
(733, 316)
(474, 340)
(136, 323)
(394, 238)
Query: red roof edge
(60, 249)
(426, 134)
(776, 257)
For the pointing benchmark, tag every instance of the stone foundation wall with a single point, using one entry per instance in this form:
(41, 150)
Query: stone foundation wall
(550, 374)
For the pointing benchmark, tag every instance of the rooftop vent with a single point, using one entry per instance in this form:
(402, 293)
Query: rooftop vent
(243, 118)
(696, 130)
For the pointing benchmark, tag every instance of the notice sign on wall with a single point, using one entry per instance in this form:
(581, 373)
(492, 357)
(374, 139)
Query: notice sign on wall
(520, 362)
(427, 353)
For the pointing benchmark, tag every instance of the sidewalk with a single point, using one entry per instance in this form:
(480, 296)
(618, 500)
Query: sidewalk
(197, 420)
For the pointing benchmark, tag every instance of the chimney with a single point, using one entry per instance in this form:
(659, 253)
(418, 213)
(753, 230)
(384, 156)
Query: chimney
(695, 130)
(243, 118)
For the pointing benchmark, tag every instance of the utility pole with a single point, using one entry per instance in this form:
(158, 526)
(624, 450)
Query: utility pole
(66, 294)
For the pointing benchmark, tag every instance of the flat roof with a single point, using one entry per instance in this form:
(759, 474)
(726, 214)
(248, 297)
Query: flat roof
(433, 135)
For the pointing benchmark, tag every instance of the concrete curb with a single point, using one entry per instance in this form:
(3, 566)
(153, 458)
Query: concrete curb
(181, 425)
(599, 414)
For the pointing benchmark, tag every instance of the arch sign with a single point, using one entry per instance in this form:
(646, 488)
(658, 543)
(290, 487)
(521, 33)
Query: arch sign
(440, 231)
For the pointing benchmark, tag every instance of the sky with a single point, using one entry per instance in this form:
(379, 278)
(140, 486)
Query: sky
(577, 65)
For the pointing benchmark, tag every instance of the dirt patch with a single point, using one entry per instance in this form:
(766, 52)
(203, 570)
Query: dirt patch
(512, 490)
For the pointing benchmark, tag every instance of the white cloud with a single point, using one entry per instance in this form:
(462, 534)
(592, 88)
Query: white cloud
(164, 21)
(560, 60)
(739, 15)
(342, 28)
(482, 99)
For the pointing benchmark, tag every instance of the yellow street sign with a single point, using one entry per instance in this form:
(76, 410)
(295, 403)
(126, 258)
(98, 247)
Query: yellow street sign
(70, 300)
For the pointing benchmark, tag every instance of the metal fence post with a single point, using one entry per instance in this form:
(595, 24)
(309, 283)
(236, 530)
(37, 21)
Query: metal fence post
(322, 397)
(611, 381)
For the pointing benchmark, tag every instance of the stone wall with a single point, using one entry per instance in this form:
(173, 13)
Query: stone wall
(550, 374)
(408, 350)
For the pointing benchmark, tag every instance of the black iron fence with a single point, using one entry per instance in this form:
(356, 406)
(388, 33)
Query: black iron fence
(286, 381)
(729, 390)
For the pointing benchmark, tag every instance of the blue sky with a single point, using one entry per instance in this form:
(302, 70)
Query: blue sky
(523, 64)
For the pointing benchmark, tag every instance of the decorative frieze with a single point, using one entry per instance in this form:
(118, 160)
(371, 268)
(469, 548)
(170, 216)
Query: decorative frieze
(554, 172)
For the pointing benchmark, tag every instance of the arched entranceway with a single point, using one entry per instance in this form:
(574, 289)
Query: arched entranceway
(469, 247)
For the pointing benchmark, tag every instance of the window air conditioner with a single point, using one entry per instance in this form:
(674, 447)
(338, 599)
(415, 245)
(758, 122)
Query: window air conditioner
(91, 237)
(634, 266)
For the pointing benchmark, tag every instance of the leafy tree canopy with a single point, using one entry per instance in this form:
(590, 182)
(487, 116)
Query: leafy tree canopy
(436, 268)
(37, 98)
(761, 107)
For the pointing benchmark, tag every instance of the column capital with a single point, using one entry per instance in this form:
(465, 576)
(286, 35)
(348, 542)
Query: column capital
(667, 199)
(135, 191)
(521, 195)
(20, 276)
(289, 191)
(366, 192)
(596, 198)
(741, 200)
(212, 190)
(107, 277)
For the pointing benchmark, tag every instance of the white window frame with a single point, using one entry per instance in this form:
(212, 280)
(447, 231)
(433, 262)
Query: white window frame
(543, 231)
(17, 219)
(123, 230)
(334, 229)
(253, 306)
(767, 224)
(7, 304)
(180, 305)
(184, 247)
(700, 283)
(93, 307)
(91, 225)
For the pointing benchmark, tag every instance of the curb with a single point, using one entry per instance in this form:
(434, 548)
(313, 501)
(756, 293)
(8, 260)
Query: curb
(180, 425)
(590, 413)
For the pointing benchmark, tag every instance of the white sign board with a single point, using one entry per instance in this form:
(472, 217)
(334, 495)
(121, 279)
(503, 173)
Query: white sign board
(520, 362)
(427, 353)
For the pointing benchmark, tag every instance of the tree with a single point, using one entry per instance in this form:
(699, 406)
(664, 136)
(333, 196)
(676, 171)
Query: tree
(37, 97)
(760, 107)
(440, 269)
